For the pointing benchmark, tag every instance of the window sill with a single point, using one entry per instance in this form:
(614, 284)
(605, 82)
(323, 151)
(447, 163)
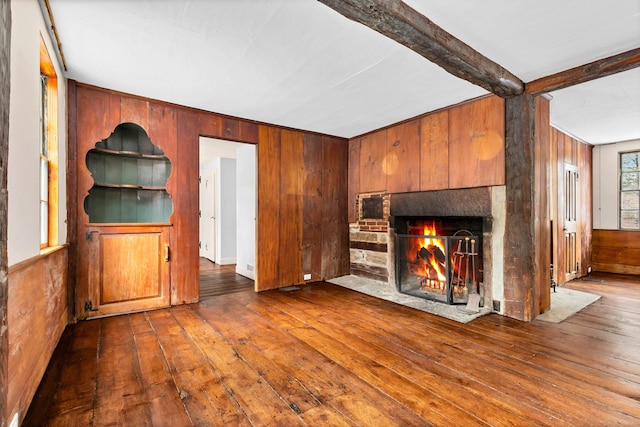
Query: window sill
(51, 249)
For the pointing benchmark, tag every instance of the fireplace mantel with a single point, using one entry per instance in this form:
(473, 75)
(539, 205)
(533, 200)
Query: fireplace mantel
(459, 202)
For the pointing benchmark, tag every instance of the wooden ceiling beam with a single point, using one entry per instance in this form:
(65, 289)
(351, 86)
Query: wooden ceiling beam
(396, 20)
(584, 73)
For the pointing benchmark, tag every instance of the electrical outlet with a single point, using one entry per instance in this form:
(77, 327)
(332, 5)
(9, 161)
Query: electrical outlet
(496, 306)
(14, 421)
(249, 267)
(307, 276)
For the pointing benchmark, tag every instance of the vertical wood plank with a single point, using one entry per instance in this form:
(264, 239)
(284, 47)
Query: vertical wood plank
(559, 264)
(268, 242)
(335, 227)
(542, 231)
(476, 143)
(93, 115)
(372, 154)
(519, 236)
(291, 191)
(354, 178)
(94, 123)
(134, 110)
(5, 86)
(184, 238)
(402, 161)
(163, 132)
(585, 224)
(72, 191)
(568, 149)
(434, 151)
(312, 207)
(113, 115)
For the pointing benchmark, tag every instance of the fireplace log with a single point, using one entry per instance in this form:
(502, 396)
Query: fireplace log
(437, 253)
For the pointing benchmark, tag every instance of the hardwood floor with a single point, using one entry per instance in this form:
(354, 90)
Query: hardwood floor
(327, 356)
(218, 279)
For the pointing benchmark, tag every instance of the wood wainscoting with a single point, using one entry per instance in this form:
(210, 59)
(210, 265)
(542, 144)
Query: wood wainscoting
(325, 355)
(616, 251)
(37, 316)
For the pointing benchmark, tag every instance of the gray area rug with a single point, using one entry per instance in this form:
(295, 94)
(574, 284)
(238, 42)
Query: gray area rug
(388, 292)
(565, 303)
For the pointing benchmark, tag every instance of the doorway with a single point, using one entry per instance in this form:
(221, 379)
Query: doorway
(227, 206)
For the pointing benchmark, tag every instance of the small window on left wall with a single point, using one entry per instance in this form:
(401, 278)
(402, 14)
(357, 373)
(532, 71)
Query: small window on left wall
(48, 150)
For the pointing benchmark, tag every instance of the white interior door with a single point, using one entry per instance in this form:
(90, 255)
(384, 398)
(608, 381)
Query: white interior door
(202, 223)
(207, 214)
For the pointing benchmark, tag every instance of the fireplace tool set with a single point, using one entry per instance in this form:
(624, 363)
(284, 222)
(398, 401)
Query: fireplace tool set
(464, 258)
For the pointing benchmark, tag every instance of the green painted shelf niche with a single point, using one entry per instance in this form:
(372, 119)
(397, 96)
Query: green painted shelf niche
(130, 176)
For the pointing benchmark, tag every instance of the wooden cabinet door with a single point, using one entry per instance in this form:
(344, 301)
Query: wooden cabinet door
(570, 222)
(123, 269)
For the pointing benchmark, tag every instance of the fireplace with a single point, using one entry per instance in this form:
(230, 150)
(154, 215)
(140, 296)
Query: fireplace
(439, 258)
(461, 229)
(477, 213)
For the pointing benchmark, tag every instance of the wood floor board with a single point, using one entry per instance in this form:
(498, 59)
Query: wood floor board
(446, 349)
(366, 350)
(337, 387)
(293, 393)
(216, 280)
(119, 390)
(431, 363)
(258, 400)
(326, 355)
(454, 343)
(206, 399)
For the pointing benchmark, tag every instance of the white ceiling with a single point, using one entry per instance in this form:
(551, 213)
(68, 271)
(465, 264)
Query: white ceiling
(300, 64)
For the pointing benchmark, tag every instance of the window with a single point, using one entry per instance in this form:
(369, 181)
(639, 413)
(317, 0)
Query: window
(48, 150)
(630, 190)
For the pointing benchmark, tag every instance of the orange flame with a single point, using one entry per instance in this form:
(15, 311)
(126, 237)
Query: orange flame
(439, 243)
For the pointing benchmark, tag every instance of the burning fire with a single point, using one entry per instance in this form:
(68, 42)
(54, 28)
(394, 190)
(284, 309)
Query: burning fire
(434, 246)
(427, 260)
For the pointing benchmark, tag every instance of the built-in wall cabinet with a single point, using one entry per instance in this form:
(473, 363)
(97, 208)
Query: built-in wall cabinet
(134, 201)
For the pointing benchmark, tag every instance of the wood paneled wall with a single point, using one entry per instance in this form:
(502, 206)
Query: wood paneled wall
(37, 316)
(616, 251)
(565, 149)
(302, 212)
(5, 89)
(459, 147)
(302, 177)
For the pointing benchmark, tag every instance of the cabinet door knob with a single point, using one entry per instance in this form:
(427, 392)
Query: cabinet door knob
(166, 253)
